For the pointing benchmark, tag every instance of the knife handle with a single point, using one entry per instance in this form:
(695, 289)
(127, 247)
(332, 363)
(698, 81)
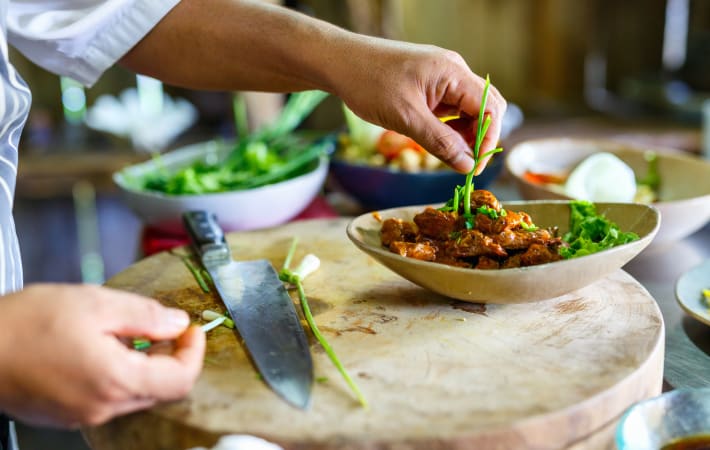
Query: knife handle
(204, 231)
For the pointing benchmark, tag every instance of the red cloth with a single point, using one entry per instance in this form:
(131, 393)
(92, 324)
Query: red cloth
(155, 240)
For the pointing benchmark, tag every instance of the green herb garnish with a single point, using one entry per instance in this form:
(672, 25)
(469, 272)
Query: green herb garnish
(199, 274)
(591, 232)
(295, 279)
(488, 211)
(527, 227)
(141, 344)
(464, 192)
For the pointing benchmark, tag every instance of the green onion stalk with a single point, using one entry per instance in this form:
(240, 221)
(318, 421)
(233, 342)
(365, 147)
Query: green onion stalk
(296, 277)
(483, 123)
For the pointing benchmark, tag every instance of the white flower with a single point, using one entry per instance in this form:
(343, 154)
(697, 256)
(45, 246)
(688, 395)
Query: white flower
(241, 442)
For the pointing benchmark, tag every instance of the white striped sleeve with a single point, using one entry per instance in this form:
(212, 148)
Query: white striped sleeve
(81, 38)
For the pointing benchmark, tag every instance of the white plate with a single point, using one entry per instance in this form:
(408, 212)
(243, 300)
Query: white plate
(689, 292)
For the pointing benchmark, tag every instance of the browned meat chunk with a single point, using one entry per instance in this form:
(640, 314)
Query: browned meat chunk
(419, 250)
(486, 263)
(436, 224)
(538, 254)
(512, 262)
(481, 197)
(443, 259)
(485, 224)
(511, 220)
(397, 230)
(473, 243)
(486, 243)
(519, 240)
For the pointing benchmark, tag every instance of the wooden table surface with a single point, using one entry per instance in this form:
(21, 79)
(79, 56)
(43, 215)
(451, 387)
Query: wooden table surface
(439, 374)
(687, 342)
(687, 358)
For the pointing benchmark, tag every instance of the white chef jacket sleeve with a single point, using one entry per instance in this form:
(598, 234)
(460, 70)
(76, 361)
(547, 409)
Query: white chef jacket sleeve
(81, 38)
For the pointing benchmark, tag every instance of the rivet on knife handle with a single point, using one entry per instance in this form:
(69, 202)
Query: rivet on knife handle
(205, 234)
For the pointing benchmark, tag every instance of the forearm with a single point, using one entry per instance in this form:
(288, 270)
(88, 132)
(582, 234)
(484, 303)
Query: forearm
(240, 45)
(251, 45)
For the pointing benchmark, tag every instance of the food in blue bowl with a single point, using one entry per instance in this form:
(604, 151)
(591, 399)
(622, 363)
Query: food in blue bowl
(384, 169)
(384, 187)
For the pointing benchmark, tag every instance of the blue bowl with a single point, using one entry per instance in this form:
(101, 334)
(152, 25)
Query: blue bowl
(381, 187)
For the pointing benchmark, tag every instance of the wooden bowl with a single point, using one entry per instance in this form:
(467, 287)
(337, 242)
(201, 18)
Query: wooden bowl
(519, 285)
(685, 180)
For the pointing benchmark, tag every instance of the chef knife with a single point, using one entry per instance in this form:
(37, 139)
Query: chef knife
(262, 311)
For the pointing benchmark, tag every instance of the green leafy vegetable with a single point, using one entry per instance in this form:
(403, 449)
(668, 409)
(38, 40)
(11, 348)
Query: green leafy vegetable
(362, 133)
(239, 110)
(652, 179)
(269, 155)
(648, 186)
(591, 232)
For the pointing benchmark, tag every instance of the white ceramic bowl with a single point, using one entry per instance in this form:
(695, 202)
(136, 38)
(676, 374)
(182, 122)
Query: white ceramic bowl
(685, 180)
(247, 209)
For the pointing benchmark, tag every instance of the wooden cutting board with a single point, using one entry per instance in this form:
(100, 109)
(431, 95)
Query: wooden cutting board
(438, 373)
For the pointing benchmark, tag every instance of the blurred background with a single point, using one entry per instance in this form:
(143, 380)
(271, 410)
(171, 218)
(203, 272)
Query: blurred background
(635, 70)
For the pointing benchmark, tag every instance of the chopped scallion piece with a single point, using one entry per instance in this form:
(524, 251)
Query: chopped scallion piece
(213, 324)
(208, 314)
(141, 344)
(199, 274)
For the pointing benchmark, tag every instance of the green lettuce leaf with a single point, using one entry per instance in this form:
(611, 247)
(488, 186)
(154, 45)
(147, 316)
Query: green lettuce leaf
(591, 232)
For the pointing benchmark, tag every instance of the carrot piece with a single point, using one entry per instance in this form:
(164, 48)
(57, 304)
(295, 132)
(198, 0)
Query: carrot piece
(543, 178)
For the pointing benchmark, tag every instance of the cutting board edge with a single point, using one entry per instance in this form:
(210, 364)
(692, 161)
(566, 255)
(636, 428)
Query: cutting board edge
(148, 424)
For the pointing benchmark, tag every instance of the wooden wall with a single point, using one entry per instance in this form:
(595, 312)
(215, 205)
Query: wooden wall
(534, 50)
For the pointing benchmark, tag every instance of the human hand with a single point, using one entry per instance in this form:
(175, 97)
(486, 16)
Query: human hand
(62, 362)
(407, 87)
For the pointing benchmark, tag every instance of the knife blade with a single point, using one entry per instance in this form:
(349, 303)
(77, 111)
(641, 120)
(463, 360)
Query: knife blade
(262, 311)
